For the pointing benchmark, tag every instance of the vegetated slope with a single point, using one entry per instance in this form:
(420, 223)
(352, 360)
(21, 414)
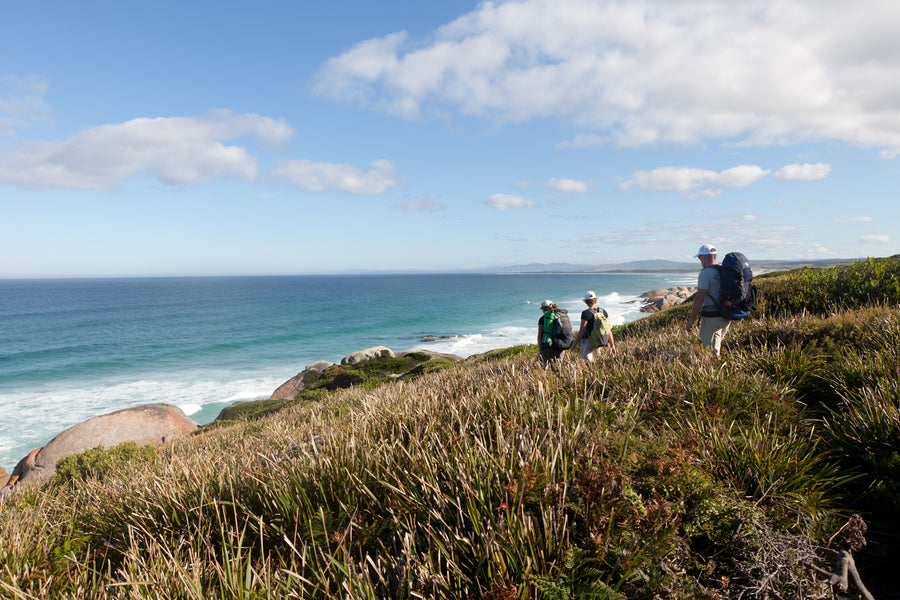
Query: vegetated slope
(660, 473)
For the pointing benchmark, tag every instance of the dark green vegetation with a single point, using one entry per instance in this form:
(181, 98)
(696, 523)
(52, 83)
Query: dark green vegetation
(367, 374)
(661, 474)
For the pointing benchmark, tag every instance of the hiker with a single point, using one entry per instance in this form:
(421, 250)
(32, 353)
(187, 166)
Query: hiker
(713, 325)
(589, 345)
(548, 350)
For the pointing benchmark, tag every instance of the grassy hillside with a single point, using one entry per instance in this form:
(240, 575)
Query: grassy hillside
(662, 473)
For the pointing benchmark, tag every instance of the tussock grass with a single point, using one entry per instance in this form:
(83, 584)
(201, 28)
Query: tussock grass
(659, 473)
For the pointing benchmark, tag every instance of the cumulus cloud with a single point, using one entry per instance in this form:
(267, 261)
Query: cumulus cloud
(21, 102)
(647, 71)
(804, 172)
(876, 239)
(673, 179)
(568, 186)
(175, 150)
(701, 182)
(421, 204)
(740, 176)
(509, 201)
(323, 177)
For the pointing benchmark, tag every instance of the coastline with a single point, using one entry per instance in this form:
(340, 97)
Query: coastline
(202, 344)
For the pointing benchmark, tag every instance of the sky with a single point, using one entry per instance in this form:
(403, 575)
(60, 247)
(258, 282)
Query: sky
(290, 137)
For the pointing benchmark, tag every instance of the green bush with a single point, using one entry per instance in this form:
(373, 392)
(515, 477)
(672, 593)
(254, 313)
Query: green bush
(95, 463)
(437, 364)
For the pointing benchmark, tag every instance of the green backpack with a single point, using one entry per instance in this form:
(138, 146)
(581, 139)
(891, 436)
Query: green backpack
(600, 329)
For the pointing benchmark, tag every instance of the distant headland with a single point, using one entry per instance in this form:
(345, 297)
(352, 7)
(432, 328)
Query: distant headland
(669, 266)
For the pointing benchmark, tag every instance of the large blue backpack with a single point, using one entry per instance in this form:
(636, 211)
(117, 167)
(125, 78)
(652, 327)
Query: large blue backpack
(737, 294)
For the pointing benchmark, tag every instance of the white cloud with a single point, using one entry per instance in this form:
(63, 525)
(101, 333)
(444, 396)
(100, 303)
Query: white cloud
(740, 176)
(804, 172)
(855, 220)
(673, 179)
(421, 204)
(647, 71)
(568, 186)
(702, 182)
(323, 177)
(876, 239)
(176, 150)
(749, 218)
(509, 201)
(21, 102)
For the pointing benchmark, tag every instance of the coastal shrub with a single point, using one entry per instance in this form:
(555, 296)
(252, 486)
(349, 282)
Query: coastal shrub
(802, 373)
(431, 366)
(864, 431)
(382, 365)
(825, 291)
(506, 353)
(776, 463)
(97, 462)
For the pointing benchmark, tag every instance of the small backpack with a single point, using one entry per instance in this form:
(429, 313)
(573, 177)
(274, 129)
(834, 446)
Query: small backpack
(600, 329)
(737, 294)
(558, 329)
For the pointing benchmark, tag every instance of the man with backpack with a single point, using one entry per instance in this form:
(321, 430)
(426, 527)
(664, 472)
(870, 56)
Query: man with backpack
(595, 331)
(713, 326)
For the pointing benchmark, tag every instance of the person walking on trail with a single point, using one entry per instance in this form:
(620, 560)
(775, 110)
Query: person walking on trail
(547, 351)
(713, 326)
(584, 342)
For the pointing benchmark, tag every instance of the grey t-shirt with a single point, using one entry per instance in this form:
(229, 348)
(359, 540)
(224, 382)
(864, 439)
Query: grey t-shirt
(708, 280)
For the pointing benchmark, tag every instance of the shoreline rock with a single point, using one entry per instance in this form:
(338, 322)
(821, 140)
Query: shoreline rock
(294, 385)
(145, 424)
(657, 300)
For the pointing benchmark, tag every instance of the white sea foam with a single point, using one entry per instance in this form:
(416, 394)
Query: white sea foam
(190, 409)
(39, 414)
(467, 345)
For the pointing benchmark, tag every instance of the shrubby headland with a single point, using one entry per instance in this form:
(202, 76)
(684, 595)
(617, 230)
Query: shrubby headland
(659, 473)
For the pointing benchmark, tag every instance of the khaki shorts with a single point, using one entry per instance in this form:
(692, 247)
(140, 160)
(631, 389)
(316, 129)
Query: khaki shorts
(712, 330)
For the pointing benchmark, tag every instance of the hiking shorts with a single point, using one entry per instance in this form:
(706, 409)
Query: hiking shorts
(712, 330)
(586, 351)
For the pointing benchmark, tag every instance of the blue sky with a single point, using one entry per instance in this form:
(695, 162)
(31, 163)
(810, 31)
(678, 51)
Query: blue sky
(276, 137)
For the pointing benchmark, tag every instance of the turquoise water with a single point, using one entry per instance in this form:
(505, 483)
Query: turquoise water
(74, 349)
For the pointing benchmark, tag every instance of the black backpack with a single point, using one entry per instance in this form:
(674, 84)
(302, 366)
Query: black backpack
(558, 329)
(737, 294)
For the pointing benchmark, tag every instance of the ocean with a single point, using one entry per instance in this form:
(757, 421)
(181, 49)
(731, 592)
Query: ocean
(72, 349)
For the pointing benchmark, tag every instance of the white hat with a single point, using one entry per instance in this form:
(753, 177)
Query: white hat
(546, 304)
(590, 295)
(704, 250)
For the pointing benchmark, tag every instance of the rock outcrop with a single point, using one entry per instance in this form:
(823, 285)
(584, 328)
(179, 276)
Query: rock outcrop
(656, 300)
(294, 385)
(146, 424)
(373, 352)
